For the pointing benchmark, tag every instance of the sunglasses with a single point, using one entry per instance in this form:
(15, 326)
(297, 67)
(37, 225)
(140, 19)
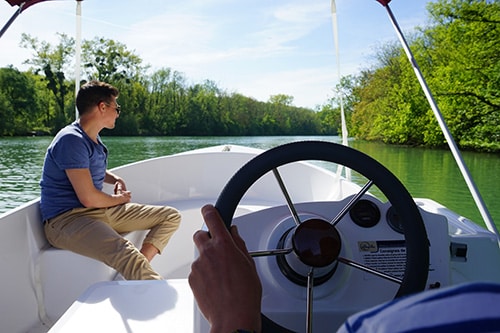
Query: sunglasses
(117, 108)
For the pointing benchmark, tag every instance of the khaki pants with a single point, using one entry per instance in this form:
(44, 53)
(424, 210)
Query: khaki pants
(95, 233)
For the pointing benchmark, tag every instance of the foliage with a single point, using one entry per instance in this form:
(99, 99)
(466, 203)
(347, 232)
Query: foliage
(458, 54)
(466, 62)
(110, 61)
(53, 62)
(19, 105)
(329, 115)
(161, 103)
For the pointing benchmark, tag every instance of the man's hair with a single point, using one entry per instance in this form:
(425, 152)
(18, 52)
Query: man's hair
(92, 93)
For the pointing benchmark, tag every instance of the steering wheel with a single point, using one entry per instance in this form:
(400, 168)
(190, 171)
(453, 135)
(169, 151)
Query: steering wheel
(311, 233)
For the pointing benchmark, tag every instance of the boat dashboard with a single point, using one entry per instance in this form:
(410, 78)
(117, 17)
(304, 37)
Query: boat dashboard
(371, 236)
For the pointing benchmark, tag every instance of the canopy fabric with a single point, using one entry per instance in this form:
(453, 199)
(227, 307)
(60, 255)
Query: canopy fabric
(384, 2)
(23, 5)
(27, 3)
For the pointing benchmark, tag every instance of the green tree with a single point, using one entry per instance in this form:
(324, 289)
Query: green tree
(279, 116)
(464, 51)
(53, 61)
(19, 107)
(458, 54)
(158, 117)
(329, 118)
(330, 113)
(110, 61)
(281, 99)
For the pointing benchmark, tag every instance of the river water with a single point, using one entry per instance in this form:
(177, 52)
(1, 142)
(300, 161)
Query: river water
(426, 173)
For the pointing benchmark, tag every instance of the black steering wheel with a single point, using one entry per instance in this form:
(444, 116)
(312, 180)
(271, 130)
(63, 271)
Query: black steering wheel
(416, 242)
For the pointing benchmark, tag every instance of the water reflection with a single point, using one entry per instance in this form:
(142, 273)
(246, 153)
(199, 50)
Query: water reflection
(20, 169)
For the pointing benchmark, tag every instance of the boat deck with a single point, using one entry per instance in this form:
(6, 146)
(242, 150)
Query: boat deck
(131, 306)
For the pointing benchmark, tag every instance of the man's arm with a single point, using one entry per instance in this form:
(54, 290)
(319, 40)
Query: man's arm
(89, 196)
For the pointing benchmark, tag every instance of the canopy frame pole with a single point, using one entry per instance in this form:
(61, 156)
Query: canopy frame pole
(78, 50)
(345, 134)
(12, 19)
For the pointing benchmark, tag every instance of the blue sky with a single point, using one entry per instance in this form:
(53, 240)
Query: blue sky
(257, 48)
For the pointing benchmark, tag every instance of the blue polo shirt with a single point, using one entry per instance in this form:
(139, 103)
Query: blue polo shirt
(71, 148)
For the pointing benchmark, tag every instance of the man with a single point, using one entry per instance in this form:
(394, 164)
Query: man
(77, 214)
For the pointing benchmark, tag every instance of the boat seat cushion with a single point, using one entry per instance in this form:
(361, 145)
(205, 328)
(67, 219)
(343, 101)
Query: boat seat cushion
(65, 275)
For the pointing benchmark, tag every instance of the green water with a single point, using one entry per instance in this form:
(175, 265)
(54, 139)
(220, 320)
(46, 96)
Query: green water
(426, 173)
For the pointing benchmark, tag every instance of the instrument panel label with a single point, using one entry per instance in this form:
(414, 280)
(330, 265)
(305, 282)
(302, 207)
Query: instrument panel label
(385, 256)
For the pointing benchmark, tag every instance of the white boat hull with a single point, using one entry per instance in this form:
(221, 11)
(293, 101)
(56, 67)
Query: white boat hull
(39, 283)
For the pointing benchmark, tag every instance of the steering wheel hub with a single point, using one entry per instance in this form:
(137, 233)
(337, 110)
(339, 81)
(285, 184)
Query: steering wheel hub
(317, 243)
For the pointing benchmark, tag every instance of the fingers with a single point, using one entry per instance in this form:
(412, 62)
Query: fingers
(215, 226)
(214, 222)
(217, 231)
(124, 187)
(120, 185)
(125, 194)
(238, 240)
(120, 189)
(200, 237)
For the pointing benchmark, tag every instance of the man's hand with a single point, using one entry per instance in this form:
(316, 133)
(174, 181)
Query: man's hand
(120, 188)
(120, 184)
(121, 192)
(223, 278)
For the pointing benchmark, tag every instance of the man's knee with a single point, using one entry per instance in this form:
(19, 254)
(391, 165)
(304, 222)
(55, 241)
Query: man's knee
(173, 217)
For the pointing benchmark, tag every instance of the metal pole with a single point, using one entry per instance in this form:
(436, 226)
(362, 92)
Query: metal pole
(12, 19)
(345, 134)
(336, 39)
(78, 50)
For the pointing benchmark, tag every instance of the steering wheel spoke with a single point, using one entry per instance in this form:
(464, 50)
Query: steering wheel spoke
(289, 202)
(310, 287)
(370, 270)
(351, 203)
(265, 253)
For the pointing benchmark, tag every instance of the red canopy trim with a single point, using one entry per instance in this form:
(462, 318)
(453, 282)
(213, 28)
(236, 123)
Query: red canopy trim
(27, 3)
(384, 2)
(23, 4)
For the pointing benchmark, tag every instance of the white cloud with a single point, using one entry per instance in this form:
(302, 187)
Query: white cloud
(255, 47)
(310, 87)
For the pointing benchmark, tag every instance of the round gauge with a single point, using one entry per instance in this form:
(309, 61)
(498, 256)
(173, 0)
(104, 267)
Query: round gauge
(365, 213)
(394, 220)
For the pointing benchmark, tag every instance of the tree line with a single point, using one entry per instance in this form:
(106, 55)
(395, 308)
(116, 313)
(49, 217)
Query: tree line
(41, 100)
(458, 52)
